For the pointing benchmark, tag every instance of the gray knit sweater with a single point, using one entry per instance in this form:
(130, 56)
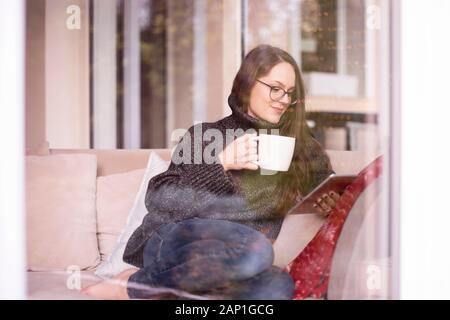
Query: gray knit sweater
(208, 191)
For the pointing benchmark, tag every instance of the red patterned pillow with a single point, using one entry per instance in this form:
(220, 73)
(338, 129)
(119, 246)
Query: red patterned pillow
(311, 269)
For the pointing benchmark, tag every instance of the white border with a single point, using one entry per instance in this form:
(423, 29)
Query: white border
(425, 150)
(12, 93)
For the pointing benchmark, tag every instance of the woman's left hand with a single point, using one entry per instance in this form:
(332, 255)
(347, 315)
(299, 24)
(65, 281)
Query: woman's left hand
(326, 203)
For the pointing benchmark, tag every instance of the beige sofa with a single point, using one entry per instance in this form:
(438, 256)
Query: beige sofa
(61, 285)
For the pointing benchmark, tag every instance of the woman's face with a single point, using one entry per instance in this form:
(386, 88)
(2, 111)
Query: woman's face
(282, 75)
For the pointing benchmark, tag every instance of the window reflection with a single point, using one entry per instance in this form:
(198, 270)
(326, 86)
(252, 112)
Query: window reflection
(154, 66)
(337, 54)
(342, 50)
(319, 35)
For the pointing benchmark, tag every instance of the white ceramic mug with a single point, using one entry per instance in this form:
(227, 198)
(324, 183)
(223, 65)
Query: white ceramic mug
(274, 152)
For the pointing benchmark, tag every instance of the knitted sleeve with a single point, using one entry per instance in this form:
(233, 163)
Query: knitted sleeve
(189, 183)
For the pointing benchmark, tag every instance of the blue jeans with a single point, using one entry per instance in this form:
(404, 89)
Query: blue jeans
(216, 257)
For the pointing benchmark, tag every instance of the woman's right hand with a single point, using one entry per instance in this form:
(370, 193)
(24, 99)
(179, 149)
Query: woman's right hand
(240, 153)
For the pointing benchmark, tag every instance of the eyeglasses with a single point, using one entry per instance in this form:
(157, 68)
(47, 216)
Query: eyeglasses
(277, 93)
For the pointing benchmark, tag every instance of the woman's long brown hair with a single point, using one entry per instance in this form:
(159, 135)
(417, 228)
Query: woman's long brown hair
(310, 163)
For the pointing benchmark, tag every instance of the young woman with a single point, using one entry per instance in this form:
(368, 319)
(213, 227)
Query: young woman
(211, 225)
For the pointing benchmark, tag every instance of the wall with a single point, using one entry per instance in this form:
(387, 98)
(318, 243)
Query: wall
(66, 76)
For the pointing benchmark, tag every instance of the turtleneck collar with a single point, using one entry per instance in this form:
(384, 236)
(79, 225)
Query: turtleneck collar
(247, 120)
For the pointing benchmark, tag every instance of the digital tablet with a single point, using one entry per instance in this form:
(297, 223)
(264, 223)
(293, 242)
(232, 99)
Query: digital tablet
(334, 182)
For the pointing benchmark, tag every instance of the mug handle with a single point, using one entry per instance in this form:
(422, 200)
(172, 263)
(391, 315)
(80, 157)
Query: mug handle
(256, 138)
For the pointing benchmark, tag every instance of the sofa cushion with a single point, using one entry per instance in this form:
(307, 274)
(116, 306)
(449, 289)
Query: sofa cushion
(350, 162)
(115, 264)
(115, 198)
(60, 208)
(59, 285)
